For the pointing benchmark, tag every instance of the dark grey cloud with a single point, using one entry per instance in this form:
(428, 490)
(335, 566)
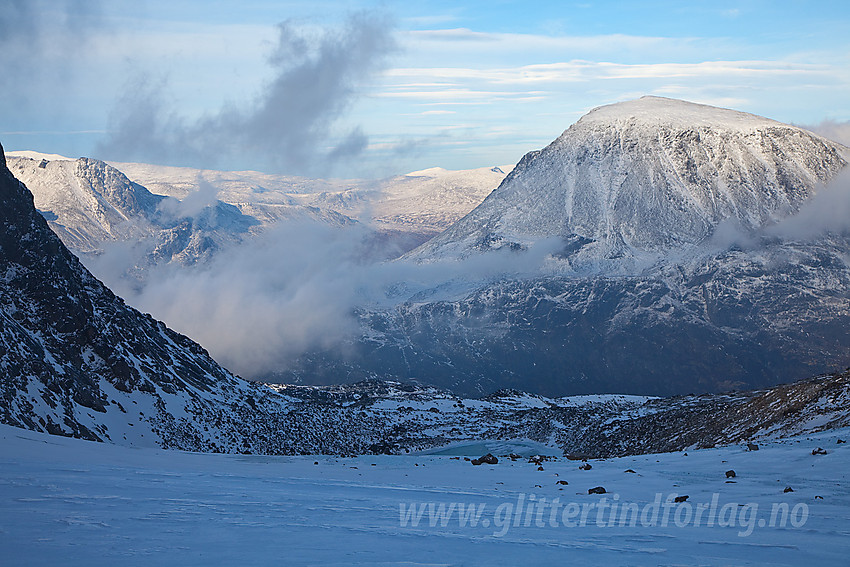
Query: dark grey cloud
(289, 126)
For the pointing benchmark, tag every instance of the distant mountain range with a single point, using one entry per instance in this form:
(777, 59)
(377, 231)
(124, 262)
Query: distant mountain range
(423, 203)
(652, 241)
(77, 362)
(186, 215)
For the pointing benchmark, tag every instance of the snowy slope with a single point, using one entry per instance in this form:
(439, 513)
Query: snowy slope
(431, 200)
(643, 177)
(71, 502)
(88, 202)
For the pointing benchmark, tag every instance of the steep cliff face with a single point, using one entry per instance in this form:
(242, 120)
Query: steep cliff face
(88, 202)
(645, 177)
(90, 205)
(67, 341)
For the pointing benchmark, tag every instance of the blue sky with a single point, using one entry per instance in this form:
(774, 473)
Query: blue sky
(370, 89)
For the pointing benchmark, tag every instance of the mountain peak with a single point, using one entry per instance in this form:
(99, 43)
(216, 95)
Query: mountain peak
(660, 111)
(644, 177)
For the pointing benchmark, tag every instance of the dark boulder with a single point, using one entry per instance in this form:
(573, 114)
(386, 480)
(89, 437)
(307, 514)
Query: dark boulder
(487, 459)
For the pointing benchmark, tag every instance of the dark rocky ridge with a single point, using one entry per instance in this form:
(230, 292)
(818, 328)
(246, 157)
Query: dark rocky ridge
(66, 330)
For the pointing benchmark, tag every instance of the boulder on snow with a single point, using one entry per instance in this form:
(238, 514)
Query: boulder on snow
(487, 459)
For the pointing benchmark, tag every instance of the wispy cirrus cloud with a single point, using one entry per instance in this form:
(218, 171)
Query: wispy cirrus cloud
(582, 70)
(551, 43)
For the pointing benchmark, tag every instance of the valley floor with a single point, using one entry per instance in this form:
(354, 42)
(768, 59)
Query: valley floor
(71, 502)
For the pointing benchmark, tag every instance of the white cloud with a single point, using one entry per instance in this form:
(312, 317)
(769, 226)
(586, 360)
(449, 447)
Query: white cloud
(581, 70)
(832, 129)
(258, 305)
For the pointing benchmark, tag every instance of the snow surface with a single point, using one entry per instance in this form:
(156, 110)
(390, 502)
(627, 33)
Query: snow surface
(37, 155)
(72, 502)
(676, 113)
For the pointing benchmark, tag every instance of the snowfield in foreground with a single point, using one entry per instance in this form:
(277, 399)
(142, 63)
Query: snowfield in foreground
(82, 503)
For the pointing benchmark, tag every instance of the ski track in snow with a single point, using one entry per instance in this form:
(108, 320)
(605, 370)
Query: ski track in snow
(81, 503)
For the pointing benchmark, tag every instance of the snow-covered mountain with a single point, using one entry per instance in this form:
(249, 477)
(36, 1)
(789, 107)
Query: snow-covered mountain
(640, 178)
(669, 259)
(78, 362)
(88, 202)
(431, 200)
